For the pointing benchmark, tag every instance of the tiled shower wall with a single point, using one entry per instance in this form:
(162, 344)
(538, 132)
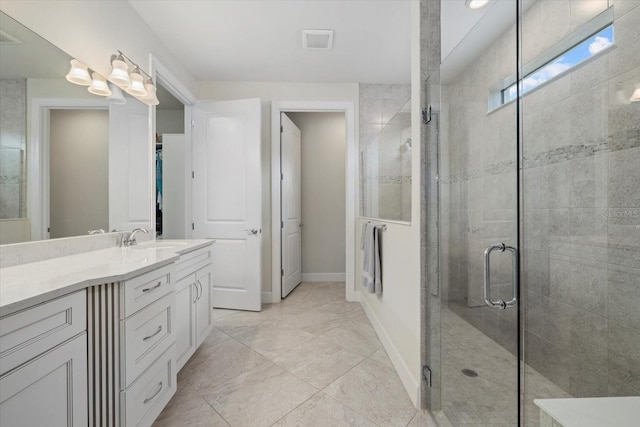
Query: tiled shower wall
(581, 202)
(391, 169)
(12, 142)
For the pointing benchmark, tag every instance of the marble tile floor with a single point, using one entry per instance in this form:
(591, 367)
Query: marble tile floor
(312, 360)
(490, 399)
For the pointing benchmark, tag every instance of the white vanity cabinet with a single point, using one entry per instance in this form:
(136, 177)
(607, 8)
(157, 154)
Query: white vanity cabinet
(43, 364)
(194, 308)
(132, 335)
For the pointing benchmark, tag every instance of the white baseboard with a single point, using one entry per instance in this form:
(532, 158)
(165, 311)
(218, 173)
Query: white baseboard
(267, 298)
(323, 277)
(411, 385)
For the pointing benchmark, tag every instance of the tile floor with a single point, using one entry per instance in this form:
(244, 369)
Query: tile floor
(312, 360)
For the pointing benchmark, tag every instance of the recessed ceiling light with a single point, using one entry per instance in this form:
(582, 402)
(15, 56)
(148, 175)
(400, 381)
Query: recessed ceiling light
(317, 39)
(476, 4)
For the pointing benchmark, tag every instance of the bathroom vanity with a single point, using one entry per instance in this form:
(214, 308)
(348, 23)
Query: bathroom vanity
(97, 338)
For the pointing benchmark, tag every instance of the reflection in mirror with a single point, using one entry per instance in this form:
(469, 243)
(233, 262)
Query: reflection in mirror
(170, 161)
(70, 161)
(385, 179)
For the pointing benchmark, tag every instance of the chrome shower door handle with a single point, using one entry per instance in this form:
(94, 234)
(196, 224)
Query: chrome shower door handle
(487, 276)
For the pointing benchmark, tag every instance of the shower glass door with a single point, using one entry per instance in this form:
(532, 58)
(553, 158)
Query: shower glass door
(539, 198)
(580, 202)
(478, 151)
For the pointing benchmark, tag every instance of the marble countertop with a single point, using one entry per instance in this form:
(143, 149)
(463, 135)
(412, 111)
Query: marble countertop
(25, 285)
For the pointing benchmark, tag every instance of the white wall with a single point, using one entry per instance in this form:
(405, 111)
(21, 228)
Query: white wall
(270, 92)
(91, 31)
(396, 313)
(79, 171)
(323, 194)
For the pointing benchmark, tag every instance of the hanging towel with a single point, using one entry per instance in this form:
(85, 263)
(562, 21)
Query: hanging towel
(371, 265)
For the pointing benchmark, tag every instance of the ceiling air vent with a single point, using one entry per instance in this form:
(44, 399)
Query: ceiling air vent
(6, 38)
(317, 39)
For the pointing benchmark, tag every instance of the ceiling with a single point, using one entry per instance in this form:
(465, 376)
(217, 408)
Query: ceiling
(254, 40)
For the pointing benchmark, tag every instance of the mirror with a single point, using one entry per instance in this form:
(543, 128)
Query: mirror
(385, 170)
(69, 161)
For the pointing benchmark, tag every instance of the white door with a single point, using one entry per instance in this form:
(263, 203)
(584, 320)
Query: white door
(291, 211)
(130, 147)
(227, 197)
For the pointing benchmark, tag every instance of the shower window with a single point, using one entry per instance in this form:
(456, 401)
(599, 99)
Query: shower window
(591, 40)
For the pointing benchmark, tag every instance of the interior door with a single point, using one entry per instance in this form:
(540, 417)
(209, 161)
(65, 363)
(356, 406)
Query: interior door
(291, 210)
(130, 148)
(227, 197)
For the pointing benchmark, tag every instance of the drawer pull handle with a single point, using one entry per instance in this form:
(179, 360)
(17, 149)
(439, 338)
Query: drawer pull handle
(150, 398)
(153, 334)
(153, 288)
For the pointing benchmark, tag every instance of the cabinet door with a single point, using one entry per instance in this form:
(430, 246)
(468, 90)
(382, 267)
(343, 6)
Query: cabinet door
(54, 384)
(186, 294)
(204, 305)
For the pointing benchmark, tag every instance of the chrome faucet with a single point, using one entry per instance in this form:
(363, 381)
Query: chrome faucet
(129, 237)
(96, 231)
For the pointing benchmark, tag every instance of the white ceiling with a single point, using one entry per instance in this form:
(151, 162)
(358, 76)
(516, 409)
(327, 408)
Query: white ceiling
(253, 40)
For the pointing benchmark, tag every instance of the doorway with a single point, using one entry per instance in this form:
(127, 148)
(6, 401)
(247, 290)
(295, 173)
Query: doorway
(313, 159)
(345, 110)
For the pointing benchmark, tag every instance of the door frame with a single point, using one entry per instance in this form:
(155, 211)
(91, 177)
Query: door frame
(161, 74)
(348, 109)
(38, 153)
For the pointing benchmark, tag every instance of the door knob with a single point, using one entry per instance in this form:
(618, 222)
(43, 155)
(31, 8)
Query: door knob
(253, 231)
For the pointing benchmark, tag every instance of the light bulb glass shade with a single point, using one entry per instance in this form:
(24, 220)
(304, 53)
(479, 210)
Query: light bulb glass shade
(151, 98)
(79, 74)
(635, 97)
(119, 72)
(99, 85)
(476, 4)
(136, 88)
(116, 96)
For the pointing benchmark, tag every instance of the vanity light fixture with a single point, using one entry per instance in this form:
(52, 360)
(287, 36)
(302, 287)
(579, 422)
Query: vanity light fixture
(99, 85)
(136, 88)
(135, 82)
(151, 98)
(79, 74)
(476, 4)
(119, 71)
(635, 97)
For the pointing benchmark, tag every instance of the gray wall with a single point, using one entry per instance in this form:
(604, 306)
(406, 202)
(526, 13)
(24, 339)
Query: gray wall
(581, 199)
(323, 191)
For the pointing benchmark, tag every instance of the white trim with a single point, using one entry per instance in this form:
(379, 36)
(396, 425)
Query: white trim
(267, 298)
(170, 82)
(351, 167)
(323, 277)
(38, 155)
(411, 384)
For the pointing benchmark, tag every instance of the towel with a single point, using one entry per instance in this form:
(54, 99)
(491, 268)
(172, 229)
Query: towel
(371, 264)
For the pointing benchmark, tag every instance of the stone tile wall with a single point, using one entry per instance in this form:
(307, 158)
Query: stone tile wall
(13, 126)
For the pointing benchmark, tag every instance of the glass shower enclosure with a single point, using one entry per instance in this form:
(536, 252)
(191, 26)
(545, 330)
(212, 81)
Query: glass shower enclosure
(539, 199)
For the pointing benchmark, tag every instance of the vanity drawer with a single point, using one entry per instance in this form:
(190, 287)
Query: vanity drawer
(192, 261)
(30, 332)
(144, 400)
(145, 289)
(144, 337)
